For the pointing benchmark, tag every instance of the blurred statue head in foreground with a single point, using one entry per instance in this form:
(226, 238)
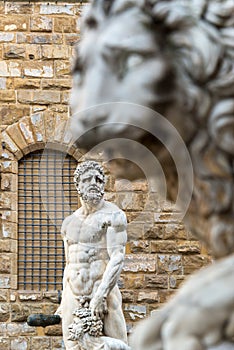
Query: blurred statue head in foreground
(175, 58)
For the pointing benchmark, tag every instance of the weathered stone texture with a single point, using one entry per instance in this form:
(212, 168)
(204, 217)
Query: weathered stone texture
(36, 47)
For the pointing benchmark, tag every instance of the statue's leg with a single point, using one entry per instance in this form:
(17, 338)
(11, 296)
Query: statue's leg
(68, 305)
(114, 322)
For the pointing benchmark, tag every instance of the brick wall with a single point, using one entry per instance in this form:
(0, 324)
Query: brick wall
(36, 45)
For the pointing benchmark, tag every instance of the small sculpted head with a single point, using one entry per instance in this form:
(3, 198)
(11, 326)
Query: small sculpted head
(89, 179)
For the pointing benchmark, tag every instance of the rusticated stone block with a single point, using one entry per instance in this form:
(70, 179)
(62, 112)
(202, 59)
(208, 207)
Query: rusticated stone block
(55, 330)
(49, 122)
(10, 145)
(17, 22)
(4, 312)
(5, 182)
(65, 98)
(131, 200)
(65, 24)
(6, 37)
(7, 96)
(5, 264)
(38, 69)
(37, 121)
(170, 231)
(41, 23)
(163, 247)
(19, 312)
(9, 182)
(4, 343)
(42, 343)
(26, 83)
(71, 39)
(19, 344)
(193, 262)
(175, 281)
(141, 217)
(55, 52)
(189, 247)
(135, 312)
(4, 296)
(57, 343)
(165, 295)
(6, 200)
(19, 8)
(5, 282)
(51, 9)
(60, 125)
(39, 97)
(131, 281)
(139, 246)
(148, 297)
(62, 68)
(152, 281)
(17, 329)
(128, 296)
(3, 83)
(14, 51)
(49, 309)
(56, 84)
(169, 264)
(53, 296)
(9, 166)
(41, 39)
(26, 129)
(12, 113)
(5, 245)
(9, 215)
(15, 133)
(139, 263)
(30, 296)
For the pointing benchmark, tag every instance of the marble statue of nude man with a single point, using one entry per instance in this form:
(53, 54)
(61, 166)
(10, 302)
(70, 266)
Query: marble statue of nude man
(94, 240)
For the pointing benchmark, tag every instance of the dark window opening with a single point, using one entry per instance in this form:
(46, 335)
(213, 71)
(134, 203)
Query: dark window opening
(46, 196)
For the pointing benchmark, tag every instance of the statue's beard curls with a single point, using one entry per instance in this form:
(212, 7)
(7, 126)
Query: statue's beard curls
(92, 195)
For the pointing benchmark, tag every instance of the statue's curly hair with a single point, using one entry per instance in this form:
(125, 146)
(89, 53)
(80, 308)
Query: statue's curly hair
(86, 166)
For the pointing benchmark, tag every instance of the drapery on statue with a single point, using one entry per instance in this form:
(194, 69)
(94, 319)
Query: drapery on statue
(94, 240)
(176, 57)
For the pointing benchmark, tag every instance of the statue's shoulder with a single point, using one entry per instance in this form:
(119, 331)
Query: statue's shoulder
(65, 223)
(118, 217)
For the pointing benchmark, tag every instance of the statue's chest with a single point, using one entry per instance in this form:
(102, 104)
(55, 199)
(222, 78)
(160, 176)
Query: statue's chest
(90, 229)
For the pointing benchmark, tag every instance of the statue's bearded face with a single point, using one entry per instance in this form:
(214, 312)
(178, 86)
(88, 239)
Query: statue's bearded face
(91, 186)
(118, 61)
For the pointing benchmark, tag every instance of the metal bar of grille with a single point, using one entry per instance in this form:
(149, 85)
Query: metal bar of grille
(44, 201)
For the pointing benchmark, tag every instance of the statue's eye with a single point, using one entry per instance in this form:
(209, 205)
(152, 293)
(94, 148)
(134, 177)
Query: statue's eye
(77, 79)
(128, 62)
(133, 60)
(99, 180)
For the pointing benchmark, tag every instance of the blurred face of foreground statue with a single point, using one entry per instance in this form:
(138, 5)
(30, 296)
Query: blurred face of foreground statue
(176, 58)
(94, 239)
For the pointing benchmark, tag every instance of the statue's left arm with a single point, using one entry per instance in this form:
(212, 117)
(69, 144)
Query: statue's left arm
(116, 238)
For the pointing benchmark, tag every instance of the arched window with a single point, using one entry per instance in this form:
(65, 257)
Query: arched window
(46, 196)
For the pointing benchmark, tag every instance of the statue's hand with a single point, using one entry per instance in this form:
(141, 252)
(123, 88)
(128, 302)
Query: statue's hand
(98, 306)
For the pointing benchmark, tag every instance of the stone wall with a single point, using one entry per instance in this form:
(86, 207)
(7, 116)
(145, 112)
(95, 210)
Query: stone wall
(36, 45)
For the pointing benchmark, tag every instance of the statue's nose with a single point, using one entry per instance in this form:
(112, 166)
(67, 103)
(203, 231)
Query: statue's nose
(93, 180)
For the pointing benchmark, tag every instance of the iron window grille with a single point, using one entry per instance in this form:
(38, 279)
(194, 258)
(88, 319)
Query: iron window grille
(46, 195)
